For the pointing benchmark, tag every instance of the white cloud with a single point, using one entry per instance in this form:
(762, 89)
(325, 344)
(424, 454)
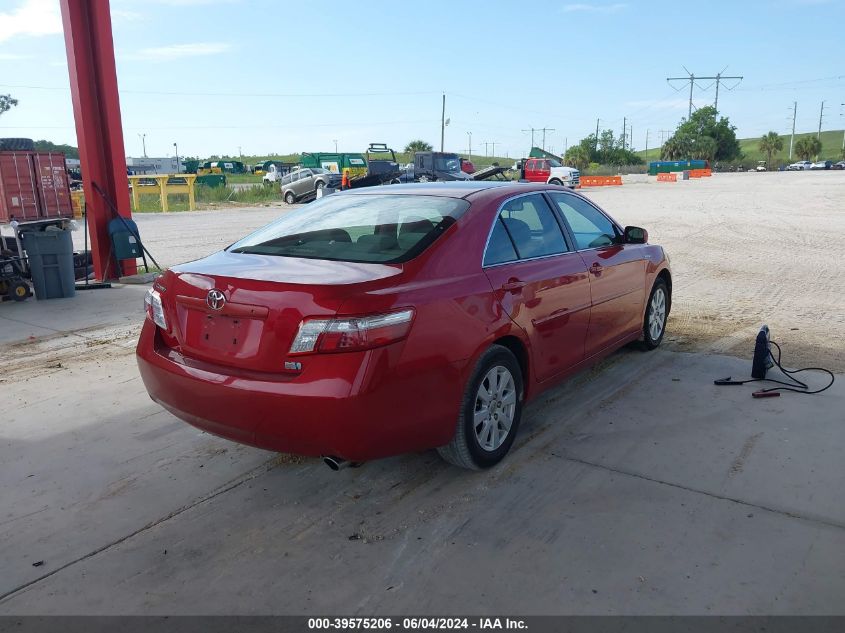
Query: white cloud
(594, 8)
(178, 51)
(32, 18)
(126, 15)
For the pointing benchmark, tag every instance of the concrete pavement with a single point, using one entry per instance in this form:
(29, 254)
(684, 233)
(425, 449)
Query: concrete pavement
(638, 488)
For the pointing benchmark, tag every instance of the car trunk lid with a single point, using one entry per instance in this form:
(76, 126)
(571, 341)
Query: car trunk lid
(243, 310)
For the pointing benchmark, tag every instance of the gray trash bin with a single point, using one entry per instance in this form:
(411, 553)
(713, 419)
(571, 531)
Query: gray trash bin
(50, 255)
(685, 175)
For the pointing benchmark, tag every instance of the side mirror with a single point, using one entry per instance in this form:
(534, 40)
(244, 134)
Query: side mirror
(635, 235)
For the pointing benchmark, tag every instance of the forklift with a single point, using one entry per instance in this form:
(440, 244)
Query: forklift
(13, 286)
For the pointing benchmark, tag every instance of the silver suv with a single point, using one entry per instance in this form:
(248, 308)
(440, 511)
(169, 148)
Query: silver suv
(302, 182)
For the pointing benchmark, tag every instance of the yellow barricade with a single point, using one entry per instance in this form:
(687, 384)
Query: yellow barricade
(163, 185)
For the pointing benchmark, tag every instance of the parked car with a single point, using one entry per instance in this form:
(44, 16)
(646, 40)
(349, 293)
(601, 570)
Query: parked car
(822, 164)
(400, 318)
(550, 171)
(302, 182)
(839, 165)
(801, 165)
(761, 166)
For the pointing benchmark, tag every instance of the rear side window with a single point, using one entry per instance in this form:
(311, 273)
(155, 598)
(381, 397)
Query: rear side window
(532, 227)
(499, 247)
(357, 228)
(590, 227)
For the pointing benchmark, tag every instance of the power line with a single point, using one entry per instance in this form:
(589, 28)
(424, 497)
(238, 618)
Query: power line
(237, 94)
(719, 78)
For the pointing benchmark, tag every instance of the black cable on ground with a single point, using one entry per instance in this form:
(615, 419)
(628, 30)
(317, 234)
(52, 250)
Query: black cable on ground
(795, 386)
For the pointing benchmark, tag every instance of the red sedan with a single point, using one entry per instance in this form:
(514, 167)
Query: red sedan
(393, 319)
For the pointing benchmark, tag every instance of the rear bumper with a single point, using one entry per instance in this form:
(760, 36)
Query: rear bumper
(356, 406)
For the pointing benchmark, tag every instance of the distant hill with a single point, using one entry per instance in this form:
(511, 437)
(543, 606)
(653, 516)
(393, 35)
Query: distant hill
(831, 147)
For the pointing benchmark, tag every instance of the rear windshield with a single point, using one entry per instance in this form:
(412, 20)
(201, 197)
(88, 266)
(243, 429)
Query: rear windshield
(357, 228)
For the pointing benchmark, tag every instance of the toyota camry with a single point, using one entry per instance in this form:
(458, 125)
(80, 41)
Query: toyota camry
(393, 319)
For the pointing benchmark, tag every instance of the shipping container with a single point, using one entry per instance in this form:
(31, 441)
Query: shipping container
(33, 187)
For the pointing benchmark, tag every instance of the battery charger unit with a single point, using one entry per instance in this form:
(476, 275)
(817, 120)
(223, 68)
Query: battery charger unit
(762, 360)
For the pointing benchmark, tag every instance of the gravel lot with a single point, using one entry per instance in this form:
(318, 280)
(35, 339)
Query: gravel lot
(746, 249)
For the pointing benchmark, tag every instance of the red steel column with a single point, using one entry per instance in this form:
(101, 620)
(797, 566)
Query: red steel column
(99, 133)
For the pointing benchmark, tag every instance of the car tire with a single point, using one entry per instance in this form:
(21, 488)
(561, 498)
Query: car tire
(425, 179)
(319, 184)
(555, 181)
(290, 198)
(478, 442)
(656, 313)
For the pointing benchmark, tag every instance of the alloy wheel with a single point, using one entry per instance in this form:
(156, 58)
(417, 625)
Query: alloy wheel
(657, 314)
(495, 407)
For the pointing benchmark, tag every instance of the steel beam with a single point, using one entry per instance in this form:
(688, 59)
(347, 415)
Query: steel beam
(99, 132)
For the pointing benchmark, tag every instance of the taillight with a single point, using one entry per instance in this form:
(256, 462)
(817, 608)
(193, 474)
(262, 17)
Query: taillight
(351, 334)
(154, 308)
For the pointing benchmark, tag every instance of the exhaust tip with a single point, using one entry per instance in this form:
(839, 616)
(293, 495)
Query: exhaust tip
(335, 463)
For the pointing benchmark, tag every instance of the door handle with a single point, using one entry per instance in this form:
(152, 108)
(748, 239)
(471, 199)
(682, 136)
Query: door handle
(513, 285)
(596, 269)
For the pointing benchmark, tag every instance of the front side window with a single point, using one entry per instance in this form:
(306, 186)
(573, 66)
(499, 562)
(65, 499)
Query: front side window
(532, 227)
(360, 228)
(590, 227)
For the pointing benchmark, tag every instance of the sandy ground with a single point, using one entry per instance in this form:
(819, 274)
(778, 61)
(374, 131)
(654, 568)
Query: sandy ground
(746, 249)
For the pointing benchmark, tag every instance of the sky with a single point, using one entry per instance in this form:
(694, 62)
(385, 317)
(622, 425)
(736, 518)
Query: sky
(273, 77)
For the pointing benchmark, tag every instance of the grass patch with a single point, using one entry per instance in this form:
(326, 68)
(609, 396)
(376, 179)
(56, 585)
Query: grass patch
(831, 148)
(211, 195)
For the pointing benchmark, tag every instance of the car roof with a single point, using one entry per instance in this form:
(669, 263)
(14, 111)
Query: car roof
(450, 189)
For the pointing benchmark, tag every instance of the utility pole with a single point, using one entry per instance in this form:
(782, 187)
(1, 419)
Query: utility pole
(843, 134)
(545, 129)
(443, 122)
(792, 138)
(143, 138)
(624, 131)
(470, 146)
(596, 144)
(646, 145)
(565, 145)
(176, 151)
(719, 78)
(821, 115)
(493, 144)
(532, 130)
(335, 145)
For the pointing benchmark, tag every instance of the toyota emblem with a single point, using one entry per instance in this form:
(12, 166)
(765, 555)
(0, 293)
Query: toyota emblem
(215, 299)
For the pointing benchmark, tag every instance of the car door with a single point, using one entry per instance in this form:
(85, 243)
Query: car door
(540, 281)
(544, 170)
(303, 182)
(617, 272)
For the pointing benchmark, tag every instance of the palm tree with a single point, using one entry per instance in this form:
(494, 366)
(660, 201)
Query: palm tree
(807, 147)
(677, 147)
(578, 156)
(770, 144)
(418, 146)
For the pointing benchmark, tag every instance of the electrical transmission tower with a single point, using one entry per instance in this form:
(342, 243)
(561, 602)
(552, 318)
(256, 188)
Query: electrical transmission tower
(539, 129)
(717, 79)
